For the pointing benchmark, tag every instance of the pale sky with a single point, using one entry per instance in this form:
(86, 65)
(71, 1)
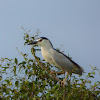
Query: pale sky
(75, 24)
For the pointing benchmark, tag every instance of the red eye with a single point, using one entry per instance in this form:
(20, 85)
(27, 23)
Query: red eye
(40, 40)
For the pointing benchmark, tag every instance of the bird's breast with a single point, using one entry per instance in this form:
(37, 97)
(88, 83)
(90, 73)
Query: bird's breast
(47, 53)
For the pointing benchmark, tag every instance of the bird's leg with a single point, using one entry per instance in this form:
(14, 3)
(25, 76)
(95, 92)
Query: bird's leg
(63, 82)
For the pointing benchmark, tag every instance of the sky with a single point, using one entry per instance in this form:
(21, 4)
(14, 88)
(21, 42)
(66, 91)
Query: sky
(74, 24)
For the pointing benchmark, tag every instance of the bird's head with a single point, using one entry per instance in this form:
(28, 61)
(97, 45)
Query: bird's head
(42, 41)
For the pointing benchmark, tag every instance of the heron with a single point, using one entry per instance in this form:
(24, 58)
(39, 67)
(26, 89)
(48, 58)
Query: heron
(57, 58)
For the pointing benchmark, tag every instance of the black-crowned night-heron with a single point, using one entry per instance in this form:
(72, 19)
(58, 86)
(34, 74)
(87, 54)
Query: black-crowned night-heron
(57, 58)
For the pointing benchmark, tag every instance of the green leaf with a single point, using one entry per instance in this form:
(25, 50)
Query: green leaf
(44, 82)
(14, 70)
(16, 61)
(34, 99)
(24, 62)
(95, 84)
(93, 73)
(27, 36)
(91, 76)
(33, 86)
(89, 81)
(7, 81)
(91, 67)
(16, 83)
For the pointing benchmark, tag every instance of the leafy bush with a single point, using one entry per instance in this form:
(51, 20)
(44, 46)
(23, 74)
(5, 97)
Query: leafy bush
(31, 79)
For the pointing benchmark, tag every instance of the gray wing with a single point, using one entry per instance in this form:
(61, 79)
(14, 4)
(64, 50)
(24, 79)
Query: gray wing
(65, 63)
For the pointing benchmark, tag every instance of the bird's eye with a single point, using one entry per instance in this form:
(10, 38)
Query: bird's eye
(40, 40)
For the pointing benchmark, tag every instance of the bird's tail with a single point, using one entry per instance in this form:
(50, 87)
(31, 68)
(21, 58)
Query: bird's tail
(78, 70)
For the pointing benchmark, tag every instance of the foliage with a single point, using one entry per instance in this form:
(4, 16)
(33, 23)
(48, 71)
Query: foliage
(31, 79)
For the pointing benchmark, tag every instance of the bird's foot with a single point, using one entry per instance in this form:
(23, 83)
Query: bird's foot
(62, 83)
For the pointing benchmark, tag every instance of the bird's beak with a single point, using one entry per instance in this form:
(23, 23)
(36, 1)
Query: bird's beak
(34, 42)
